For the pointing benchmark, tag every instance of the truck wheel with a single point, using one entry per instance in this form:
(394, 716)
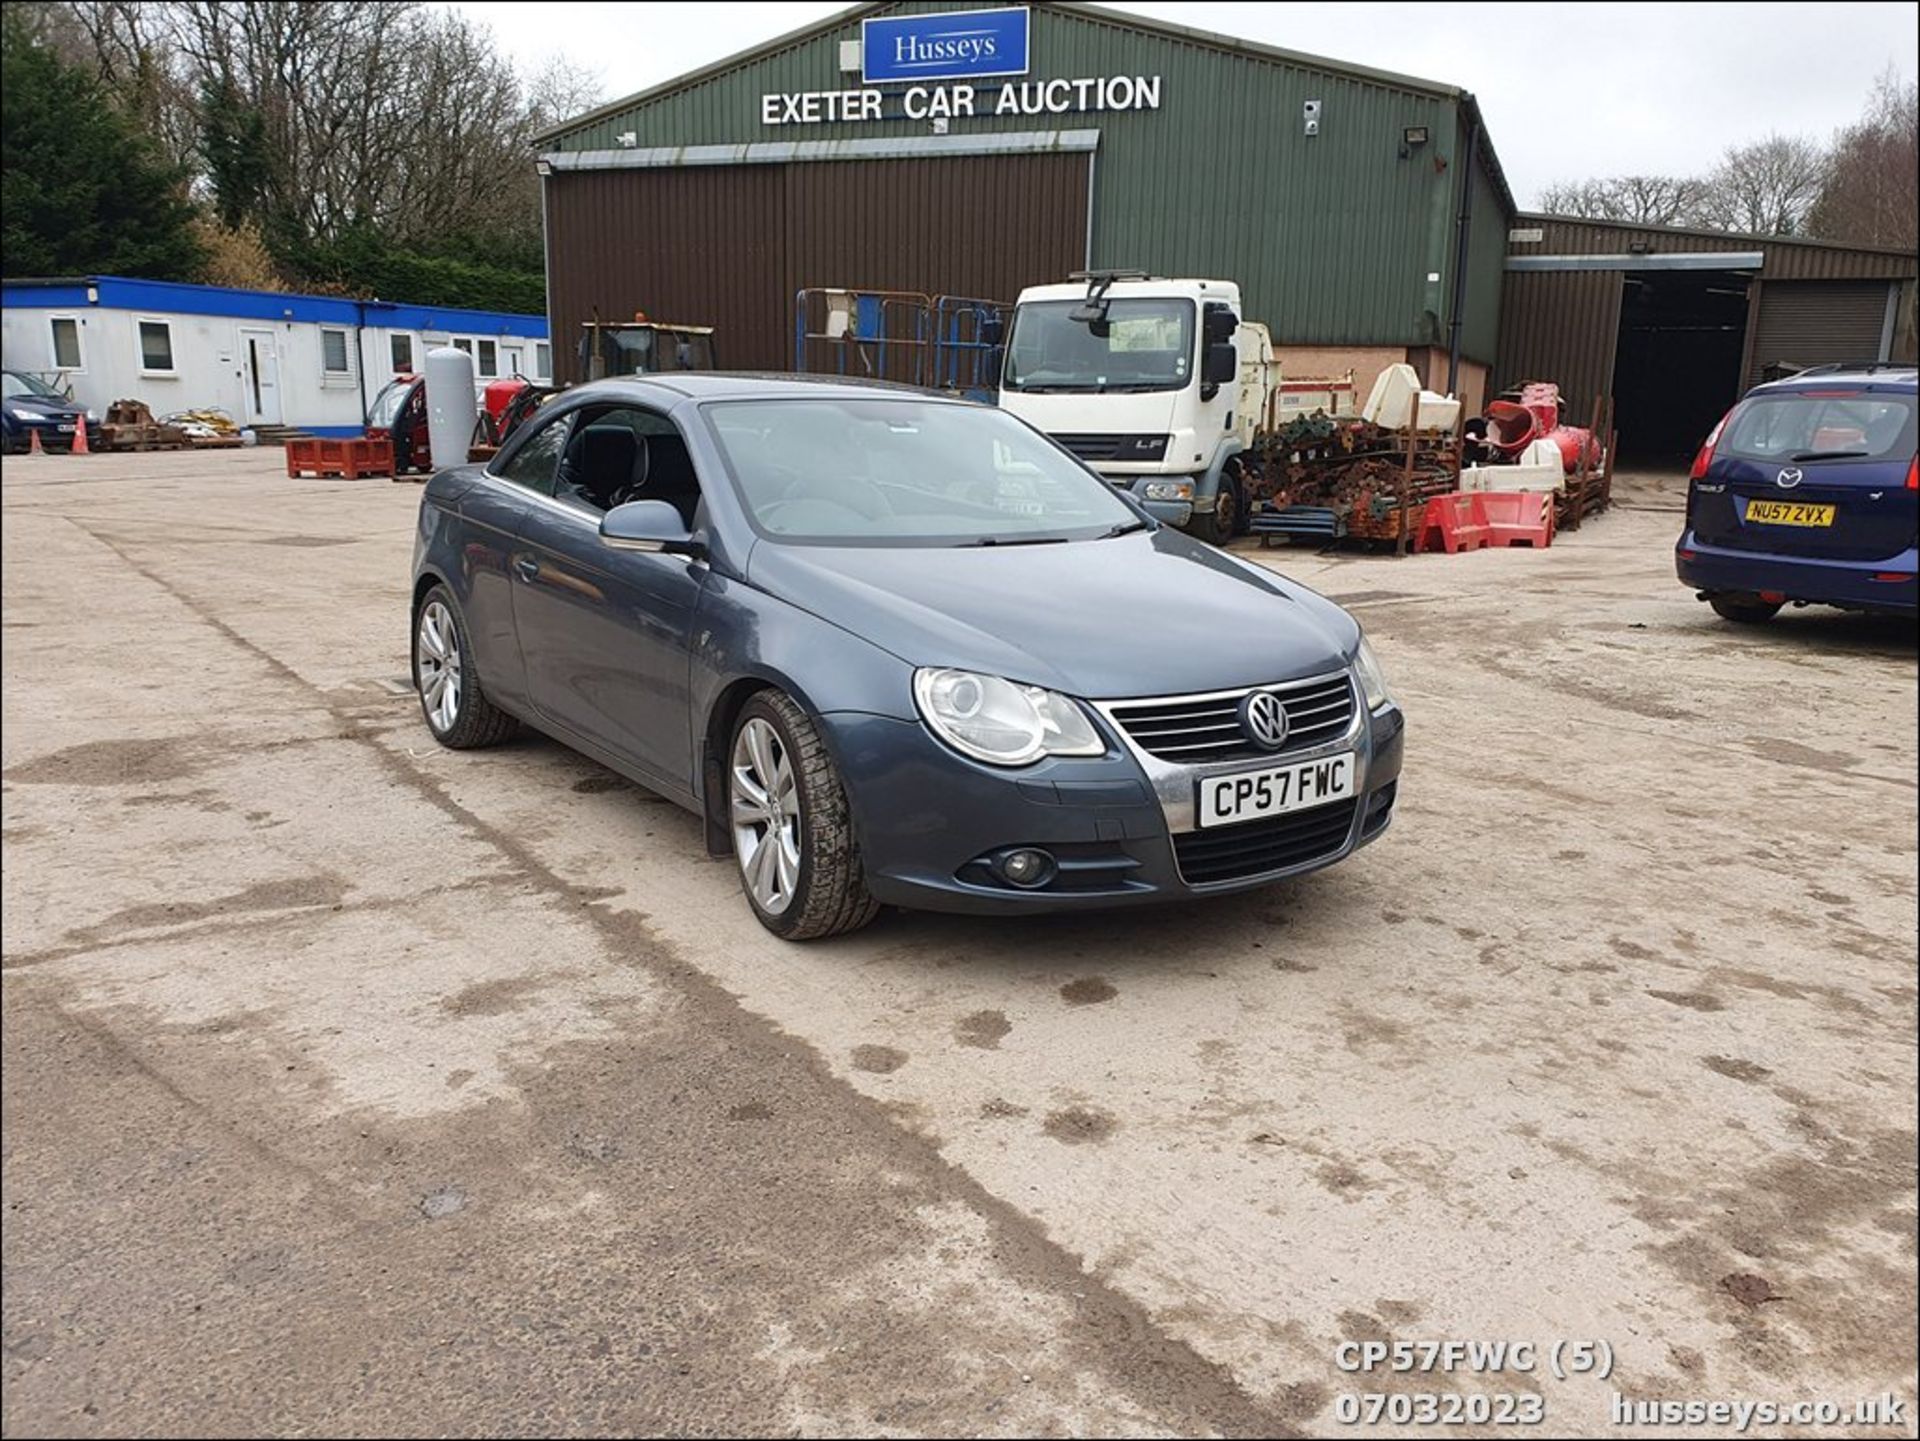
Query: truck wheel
(1223, 522)
(1744, 612)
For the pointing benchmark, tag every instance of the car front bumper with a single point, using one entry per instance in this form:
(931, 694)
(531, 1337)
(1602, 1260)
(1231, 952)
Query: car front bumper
(926, 817)
(49, 429)
(1875, 585)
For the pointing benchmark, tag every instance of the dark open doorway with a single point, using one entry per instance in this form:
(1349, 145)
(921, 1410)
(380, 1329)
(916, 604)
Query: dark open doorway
(1677, 368)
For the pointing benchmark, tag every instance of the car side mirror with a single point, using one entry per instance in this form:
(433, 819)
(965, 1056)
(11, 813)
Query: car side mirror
(649, 525)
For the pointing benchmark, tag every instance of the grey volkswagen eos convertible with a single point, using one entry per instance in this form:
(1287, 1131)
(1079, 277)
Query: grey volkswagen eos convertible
(894, 649)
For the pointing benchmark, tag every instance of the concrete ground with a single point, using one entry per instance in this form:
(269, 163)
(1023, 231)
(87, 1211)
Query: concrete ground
(353, 1085)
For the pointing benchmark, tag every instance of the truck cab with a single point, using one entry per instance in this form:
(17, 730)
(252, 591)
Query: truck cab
(1155, 384)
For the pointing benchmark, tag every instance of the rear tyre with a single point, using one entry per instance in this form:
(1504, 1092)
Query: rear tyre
(1744, 612)
(452, 698)
(791, 828)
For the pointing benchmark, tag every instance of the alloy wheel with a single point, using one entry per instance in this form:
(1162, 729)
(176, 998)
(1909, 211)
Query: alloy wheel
(437, 653)
(765, 809)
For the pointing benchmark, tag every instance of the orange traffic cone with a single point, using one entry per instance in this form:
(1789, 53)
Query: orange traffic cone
(80, 437)
(33, 443)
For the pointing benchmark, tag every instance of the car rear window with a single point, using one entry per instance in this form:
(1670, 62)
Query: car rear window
(1836, 425)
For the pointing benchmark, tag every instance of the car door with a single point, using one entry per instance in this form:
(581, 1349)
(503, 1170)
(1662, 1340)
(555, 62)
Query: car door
(492, 514)
(604, 632)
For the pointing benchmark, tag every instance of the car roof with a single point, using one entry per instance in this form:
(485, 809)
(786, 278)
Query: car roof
(747, 385)
(1860, 377)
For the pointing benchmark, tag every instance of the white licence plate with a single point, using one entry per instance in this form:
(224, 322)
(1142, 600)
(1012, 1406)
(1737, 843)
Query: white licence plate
(1251, 795)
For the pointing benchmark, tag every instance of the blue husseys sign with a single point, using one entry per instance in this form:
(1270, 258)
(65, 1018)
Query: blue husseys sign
(948, 45)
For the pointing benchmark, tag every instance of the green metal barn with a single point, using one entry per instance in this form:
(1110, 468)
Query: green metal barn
(1363, 214)
(1332, 193)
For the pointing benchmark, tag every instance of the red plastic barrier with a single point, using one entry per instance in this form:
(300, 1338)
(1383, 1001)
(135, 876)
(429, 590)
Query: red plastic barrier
(1518, 517)
(1454, 523)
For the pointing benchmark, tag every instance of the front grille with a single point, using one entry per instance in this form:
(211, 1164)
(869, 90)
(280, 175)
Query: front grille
(1115, 446)
(1253, 848)
(1203, 729)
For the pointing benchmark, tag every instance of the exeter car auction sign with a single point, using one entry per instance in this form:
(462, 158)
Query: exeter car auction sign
(957, 47)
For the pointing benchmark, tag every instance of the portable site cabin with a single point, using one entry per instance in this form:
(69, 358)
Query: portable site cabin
(308, 362)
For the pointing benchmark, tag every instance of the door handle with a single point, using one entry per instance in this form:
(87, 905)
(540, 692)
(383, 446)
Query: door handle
(528, 567)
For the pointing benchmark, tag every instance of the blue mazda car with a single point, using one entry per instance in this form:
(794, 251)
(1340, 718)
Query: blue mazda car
(1805, 493)
(894, 648)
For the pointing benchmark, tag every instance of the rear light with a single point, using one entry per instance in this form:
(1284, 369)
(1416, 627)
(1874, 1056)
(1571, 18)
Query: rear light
(1705, 457)
(1913, 474)
(1893, 577)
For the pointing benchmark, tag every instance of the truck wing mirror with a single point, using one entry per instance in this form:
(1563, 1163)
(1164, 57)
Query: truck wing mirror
(1220, 324)
(1222, 364)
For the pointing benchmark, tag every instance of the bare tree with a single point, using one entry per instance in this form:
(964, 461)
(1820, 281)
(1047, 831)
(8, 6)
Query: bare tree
(1870, 195)
(557, 92)
(1639, 199)
(1765, 188)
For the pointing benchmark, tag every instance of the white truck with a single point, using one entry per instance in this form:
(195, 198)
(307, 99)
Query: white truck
(1156, 384)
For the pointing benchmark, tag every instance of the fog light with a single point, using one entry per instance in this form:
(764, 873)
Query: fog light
(1026, 868)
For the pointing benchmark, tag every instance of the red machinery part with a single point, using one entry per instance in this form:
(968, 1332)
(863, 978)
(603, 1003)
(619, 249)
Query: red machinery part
(1511, 427)
(500, 394)
(1575, 441)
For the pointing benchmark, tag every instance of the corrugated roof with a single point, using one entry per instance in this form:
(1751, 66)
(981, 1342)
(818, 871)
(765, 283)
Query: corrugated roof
(1644, 228)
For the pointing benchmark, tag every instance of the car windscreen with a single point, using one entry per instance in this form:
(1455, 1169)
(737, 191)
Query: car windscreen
(1821, 425)
(903, 471)
(386, 405)
(1141, 345)
(27, 387)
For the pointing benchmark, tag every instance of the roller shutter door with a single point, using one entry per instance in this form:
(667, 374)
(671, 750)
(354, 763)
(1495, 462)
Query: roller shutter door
(728, 246)
(1818, 322)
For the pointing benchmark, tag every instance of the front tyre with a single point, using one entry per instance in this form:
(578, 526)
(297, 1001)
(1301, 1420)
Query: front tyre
(1744, 612)
(792, 832)
(1223, 522)
(452, 699)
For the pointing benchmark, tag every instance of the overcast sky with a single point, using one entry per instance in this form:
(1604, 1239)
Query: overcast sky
(1612, 89)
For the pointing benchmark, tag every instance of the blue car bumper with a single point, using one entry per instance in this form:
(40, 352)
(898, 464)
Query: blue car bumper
(1876, 585)
(930, 822)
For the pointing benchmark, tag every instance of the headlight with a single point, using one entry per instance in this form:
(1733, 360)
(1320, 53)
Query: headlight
(1169, 490)
(1373, 680)
(91, 417)
(22, 414)
(1002, 723)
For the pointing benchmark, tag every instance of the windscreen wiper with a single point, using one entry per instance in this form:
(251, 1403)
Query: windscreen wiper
(1829, 454)
(1125, 527)
(1014, 540)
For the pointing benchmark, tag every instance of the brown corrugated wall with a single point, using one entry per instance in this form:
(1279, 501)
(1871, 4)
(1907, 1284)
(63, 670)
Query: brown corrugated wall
(728, 246)
(1560, 325)
(697, 247)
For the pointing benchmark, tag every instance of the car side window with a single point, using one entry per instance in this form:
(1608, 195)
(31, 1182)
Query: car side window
(625, 453)
(534, 464)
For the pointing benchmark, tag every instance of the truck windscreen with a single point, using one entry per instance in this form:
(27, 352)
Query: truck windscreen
(1141, 345)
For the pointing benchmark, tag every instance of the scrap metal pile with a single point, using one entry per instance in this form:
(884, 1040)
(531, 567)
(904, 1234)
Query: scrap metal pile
(1354, 472)
(1324, 477)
